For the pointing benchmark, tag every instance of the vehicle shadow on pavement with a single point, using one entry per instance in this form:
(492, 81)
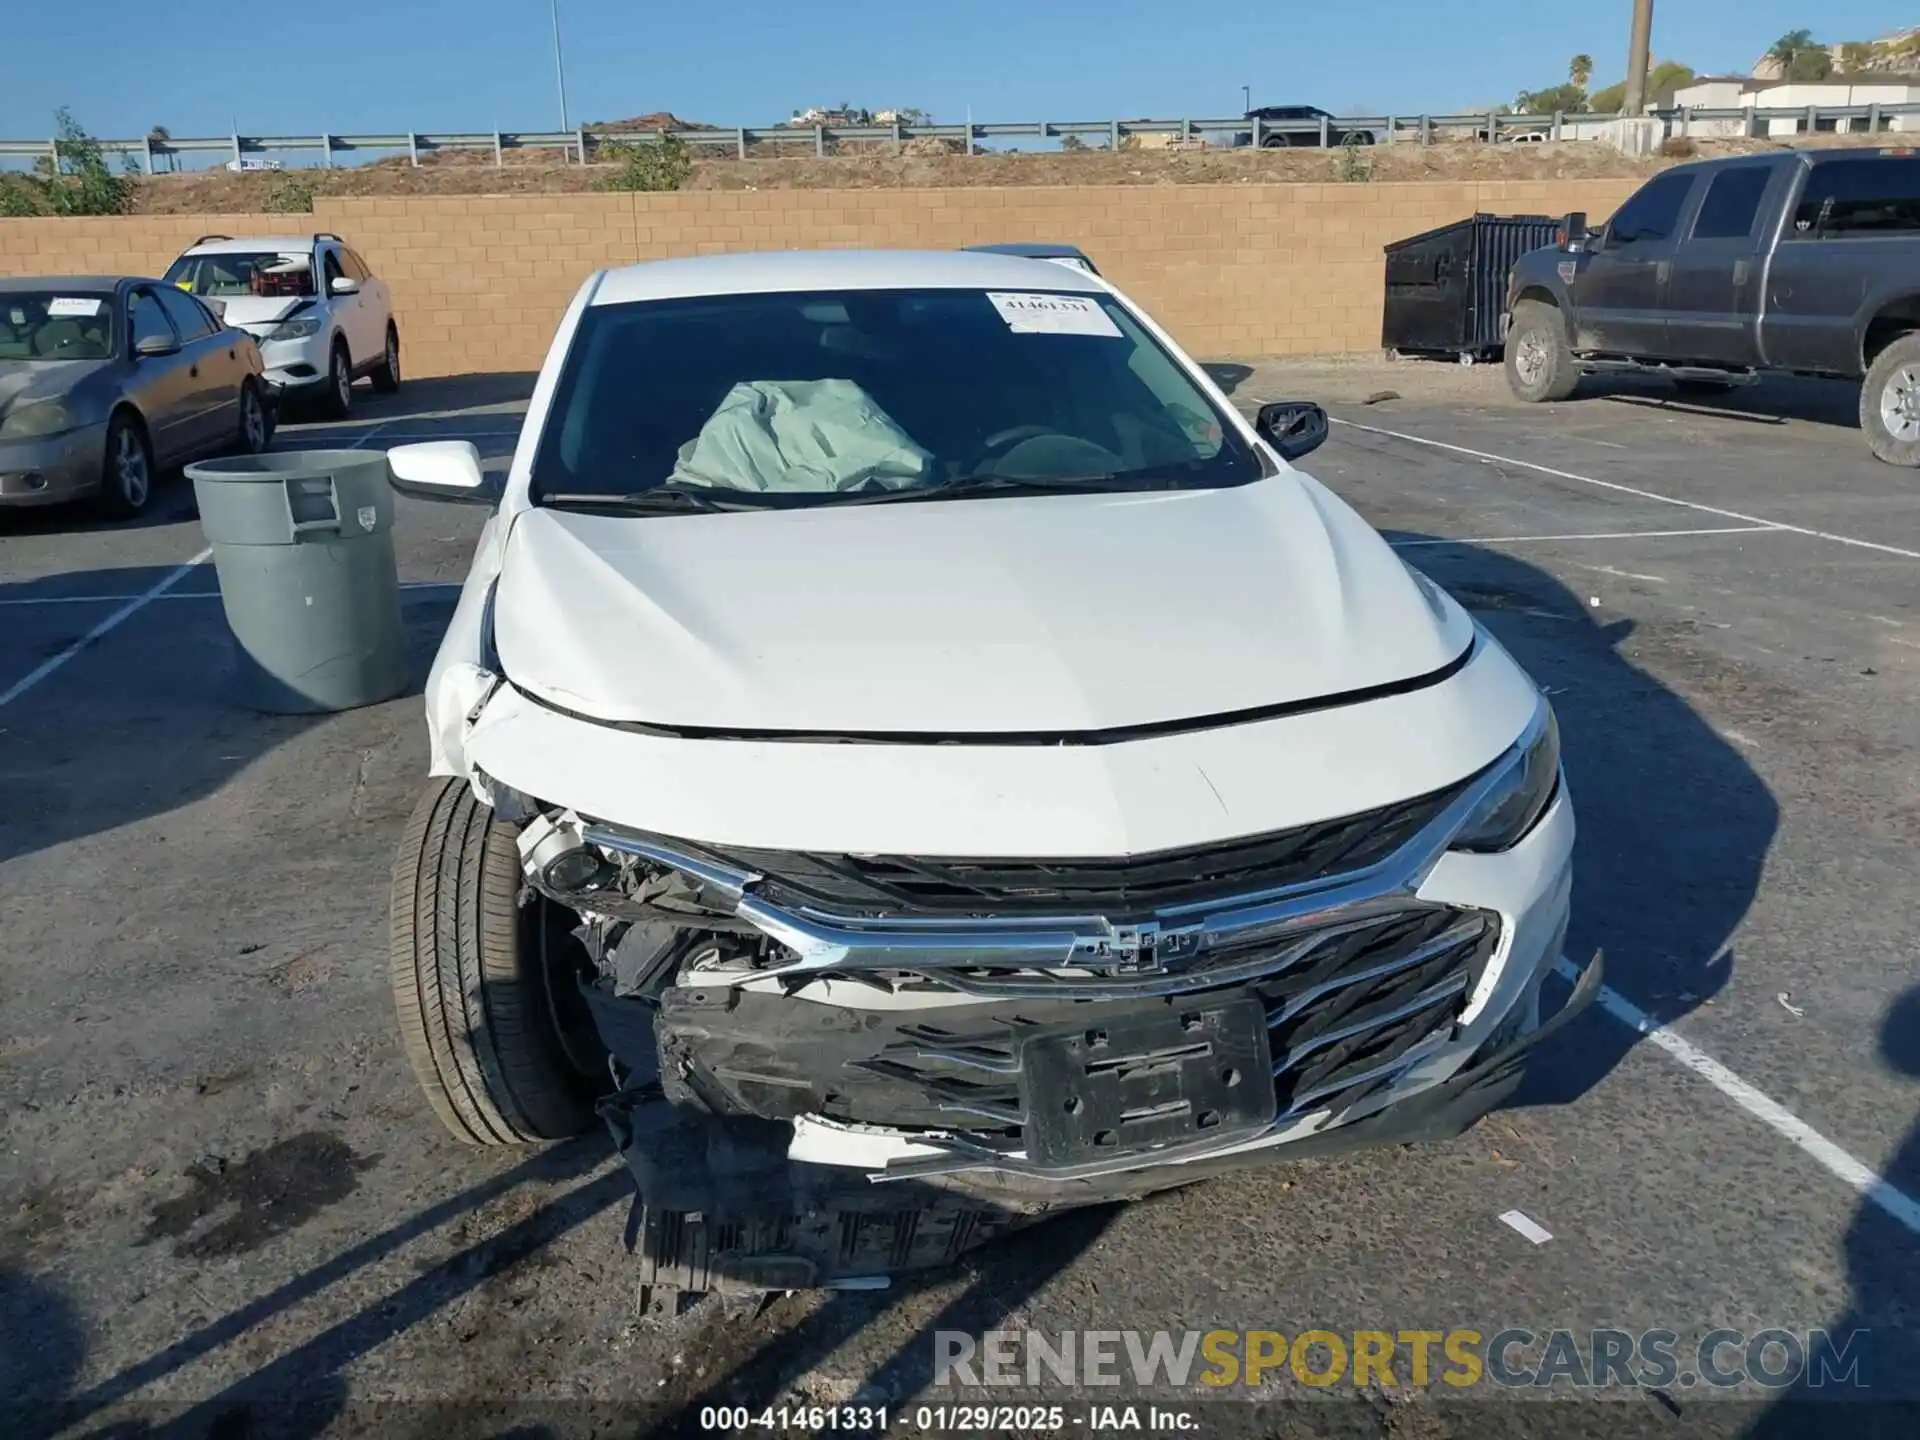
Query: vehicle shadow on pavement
(1772, 400)
(302, 1391)
(1001, 1278)
(170, 503)
(42, 1347)
(1673, 823)
(1880, 1328)
(133, 728)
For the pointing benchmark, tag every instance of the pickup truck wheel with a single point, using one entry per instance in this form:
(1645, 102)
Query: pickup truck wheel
(490, 1014)
(1890, 403)
(1539, 364)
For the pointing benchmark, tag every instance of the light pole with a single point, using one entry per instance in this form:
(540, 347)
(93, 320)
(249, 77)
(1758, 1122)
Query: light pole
(1637, 43)
(1246, 98)
(559, 70)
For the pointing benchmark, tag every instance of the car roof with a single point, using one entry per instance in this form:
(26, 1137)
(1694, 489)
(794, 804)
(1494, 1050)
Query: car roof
(69, 284)
(246, 244)
(1034, 249)
(801, 270)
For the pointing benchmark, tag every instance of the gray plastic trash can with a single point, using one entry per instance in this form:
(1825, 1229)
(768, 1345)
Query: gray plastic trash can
(303, 545)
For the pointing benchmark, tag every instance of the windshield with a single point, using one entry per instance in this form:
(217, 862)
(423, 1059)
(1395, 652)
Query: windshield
(47, 325)
(269, 274)
(806, 399)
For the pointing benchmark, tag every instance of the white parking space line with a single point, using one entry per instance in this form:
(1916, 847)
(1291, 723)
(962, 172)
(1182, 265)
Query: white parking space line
(1589, 535)
(1757, 521)
(1830, 1157)
(132, 607)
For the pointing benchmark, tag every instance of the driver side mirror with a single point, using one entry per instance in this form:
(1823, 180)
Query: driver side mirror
(152, 347)
(440, 470)
(1292, 427)
(1574, 234)
(344, 285)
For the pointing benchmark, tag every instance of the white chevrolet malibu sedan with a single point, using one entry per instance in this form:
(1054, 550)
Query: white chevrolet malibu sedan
(909, 748)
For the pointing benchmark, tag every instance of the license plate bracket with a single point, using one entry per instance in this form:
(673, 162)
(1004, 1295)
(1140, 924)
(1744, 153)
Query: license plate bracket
(1144, 1080)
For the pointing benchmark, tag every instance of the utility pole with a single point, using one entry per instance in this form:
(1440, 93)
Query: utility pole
(1246, 97)
(1636, 98)
(559, 70)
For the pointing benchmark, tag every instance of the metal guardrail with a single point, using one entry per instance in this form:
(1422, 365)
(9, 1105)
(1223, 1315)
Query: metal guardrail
(581, 143)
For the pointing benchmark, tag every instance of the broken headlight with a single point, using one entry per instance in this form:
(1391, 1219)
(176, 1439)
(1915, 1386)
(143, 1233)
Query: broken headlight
(1527, 778)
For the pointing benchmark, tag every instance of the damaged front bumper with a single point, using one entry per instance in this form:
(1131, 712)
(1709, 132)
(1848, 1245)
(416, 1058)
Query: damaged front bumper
(727, 1203)
(896, 1092)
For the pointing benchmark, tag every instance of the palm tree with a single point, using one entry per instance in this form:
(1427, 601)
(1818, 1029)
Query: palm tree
(1580, 70)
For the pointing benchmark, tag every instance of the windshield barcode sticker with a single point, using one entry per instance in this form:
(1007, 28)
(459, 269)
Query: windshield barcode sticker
(1054, 315)
(73, 305)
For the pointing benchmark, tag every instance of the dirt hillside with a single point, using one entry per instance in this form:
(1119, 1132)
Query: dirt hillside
(529, 172)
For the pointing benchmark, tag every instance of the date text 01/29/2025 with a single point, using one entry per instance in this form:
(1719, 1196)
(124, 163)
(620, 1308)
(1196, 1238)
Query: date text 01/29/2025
(938, 1419)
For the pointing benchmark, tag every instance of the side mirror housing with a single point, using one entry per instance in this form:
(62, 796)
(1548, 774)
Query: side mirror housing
(440, 470)
(152, 347)
(1573, 231)
(344, 285)
(1292, 427)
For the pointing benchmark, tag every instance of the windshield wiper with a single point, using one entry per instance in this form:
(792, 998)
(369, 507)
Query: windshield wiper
(969, 485)
(663, 498)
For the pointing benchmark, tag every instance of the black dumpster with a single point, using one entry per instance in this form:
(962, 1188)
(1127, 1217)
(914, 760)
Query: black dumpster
(1445, 288)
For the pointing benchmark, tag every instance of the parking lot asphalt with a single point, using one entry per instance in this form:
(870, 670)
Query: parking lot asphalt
(224, 1188)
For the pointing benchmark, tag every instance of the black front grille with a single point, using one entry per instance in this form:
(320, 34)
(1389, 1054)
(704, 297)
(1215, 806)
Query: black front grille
(1342, 1020)
(1121, 889)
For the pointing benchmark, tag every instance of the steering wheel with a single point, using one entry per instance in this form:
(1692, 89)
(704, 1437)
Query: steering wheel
(995, 446)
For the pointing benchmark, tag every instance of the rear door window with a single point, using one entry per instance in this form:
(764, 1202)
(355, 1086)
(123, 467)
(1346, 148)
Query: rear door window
(1732, 203)
(1848, 199)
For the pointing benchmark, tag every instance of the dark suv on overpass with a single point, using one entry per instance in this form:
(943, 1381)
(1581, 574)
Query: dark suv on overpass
(1294, 116)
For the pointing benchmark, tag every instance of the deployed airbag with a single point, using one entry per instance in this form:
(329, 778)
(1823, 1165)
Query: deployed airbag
(801, 436)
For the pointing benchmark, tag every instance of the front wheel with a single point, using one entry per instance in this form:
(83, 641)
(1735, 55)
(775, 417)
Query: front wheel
(487, 988)
(126, 472)
(1540, 365)
(1890, 403)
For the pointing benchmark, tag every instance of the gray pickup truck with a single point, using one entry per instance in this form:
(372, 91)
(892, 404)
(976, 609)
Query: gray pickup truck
(1804, 262)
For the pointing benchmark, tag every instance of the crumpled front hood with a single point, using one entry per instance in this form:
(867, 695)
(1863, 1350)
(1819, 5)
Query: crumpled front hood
(26, 382)
(1065, 613)
(249, 311)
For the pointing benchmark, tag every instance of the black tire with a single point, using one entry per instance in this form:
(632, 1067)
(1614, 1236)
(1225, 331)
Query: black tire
(337, 400)
(1703, 387)
(127, 476)
(1540, 366)
(484, 986)
(254, 431)
(1890, 403)
(387, 378)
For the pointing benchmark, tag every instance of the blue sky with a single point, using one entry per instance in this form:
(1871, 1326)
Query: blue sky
(200, 66)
